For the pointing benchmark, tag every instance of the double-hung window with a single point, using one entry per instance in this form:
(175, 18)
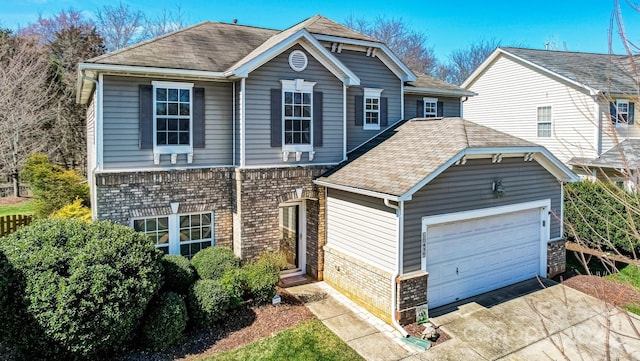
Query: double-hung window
(297, 111)
(622, 112)
(183, 234)
(371, 108)
(430, 107)
(172, 117)
(544, 122)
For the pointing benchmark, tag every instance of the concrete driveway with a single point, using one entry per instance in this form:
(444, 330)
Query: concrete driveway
(530, 322)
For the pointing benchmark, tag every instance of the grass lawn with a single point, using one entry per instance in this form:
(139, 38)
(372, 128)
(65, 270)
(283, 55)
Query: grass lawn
(310, 340)
(629, 275)
(25, 207)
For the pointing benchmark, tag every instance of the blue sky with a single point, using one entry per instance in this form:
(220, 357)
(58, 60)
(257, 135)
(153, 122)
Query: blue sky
(449, 25)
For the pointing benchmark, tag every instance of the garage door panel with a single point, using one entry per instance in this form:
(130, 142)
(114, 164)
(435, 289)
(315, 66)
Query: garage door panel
(473, 256)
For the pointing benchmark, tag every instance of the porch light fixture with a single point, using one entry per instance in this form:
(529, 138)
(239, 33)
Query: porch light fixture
(497, 188)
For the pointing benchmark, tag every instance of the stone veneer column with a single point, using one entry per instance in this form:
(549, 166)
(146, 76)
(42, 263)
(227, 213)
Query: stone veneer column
(556, 258)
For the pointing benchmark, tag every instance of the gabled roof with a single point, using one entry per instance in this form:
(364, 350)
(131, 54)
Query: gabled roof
(608, 73)
(426, 84)
(625, 155)
(208, 46)
(416, 152)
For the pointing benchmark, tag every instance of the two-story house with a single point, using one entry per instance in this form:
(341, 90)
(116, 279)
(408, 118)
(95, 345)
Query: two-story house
(258, 139)
(580, 106)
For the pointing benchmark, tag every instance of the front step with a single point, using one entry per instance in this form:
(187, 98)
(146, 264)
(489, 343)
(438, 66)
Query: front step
(294, 281)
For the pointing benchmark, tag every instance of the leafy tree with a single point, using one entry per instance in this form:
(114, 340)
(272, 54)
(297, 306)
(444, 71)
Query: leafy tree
(25, 99)
(409, 45)
(463, 62)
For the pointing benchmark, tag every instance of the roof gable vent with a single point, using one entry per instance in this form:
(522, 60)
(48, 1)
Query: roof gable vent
(298, 60)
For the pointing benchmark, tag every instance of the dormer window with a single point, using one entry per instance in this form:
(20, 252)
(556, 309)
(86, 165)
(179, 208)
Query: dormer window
(372, 108)
(622, 112)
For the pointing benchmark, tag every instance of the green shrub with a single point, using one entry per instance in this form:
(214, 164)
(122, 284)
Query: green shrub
(263, 275)
(53, 187)
(207, 302)
(235, 282)
(601, 214)
(211, 263)
(74, 210)
(84, 290)
(178, 273)
(166, 321)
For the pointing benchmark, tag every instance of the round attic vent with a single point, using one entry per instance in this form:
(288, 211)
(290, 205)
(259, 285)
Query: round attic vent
(298, 60)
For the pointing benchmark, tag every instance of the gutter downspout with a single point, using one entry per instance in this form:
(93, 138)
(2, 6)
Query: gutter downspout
(243, 98)
(98, 115)
(344, 122)
(233, 111)
(462, 100)
(399, 212)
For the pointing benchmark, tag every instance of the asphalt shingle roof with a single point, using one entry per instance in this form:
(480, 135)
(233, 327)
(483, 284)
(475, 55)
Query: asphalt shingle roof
(429, 82)
(625, 155)
(413, 151)
(606, 72)
(214, 46)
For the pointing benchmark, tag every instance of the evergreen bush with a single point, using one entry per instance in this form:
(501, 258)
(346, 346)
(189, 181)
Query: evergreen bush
(212, 262)
(166, 321)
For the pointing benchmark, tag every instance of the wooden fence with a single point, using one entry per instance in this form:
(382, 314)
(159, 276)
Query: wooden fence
(9, 224)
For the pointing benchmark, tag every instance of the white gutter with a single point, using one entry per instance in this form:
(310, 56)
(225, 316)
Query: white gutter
(243, 99)
(394, 290)
(151, 70)
(364, 192)
(344, 122)
(437, 91)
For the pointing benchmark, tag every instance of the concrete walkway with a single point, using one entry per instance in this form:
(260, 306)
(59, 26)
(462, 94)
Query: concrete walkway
(526, 321)
(371, 337)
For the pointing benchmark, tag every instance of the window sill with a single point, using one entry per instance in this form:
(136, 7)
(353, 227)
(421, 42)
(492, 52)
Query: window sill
(297, 148)
(173, 149)
(371, 127)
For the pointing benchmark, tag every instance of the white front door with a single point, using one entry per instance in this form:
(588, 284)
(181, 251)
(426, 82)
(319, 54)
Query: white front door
(292, 236)
(471, 256)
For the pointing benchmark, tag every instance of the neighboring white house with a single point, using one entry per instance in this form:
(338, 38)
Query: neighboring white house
(577, 105)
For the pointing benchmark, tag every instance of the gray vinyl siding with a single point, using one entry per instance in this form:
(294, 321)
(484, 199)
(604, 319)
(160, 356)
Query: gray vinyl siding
(363, 227)
(373, 74)
(121, 129)
(451, 106)
(468, 187)
(91, 131)
(258, 108)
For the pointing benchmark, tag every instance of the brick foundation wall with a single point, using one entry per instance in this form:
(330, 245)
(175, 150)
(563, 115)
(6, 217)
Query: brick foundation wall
(366, 285)
(127, 195)
(412, 292)
(556, 258)
(262, 190)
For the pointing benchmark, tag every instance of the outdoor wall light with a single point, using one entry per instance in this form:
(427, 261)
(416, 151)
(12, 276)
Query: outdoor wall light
(497, 188)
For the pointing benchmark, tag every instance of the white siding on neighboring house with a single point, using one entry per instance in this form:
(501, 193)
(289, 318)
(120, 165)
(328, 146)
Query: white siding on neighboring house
(362, 227)
(509, 93)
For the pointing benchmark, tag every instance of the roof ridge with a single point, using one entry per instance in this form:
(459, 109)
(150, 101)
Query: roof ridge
(562, 51)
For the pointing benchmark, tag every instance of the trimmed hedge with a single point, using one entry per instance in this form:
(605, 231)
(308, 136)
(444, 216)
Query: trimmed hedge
(82, 288)
(599, 214)
(166, 321)
(212, 262)
(207, 303)
(178, 273)
(235, 282)
(263, 275)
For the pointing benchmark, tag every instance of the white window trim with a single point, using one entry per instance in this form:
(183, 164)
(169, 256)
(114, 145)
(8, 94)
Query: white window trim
(424, 107)
(173, 222)
(172, 149)
(618, 102)
(370, 93)
(297, 85)
(550, 121)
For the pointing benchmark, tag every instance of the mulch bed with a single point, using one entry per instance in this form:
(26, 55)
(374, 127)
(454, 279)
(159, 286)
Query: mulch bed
(241, 327)
(7, 201)
(607, 290)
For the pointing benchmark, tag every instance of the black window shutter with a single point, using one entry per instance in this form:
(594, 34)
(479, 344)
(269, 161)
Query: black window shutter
(317, 119)
(145, 122)
(276, 118)
(440, 112)
(383, 113)
(612, 111)
(420, 109)
(198, 117)
(632, 110)
(359, 110)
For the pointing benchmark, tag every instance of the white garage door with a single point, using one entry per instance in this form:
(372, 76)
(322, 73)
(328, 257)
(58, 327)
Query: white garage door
(468, 257)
